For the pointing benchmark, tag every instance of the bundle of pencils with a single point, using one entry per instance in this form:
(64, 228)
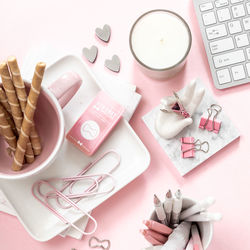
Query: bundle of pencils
(173, 226)
(17, 111)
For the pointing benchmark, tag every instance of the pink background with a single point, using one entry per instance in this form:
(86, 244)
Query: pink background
(70, 25)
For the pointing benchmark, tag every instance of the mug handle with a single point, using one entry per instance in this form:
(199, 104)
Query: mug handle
(65, 87)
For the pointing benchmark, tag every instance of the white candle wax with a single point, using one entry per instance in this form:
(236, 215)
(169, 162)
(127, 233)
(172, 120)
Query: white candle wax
(160, 40)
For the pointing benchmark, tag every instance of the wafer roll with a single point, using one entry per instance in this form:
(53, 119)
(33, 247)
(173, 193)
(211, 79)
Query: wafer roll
(10, 120)
(6, 131)
(22, 97)
(4, 102)
(14, 106)
(28, 116)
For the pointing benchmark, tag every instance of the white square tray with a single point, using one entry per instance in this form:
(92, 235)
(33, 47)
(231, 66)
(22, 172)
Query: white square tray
(37, 220)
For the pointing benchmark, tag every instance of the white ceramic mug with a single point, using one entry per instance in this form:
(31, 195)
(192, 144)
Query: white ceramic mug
(49, 122)
(205, 228)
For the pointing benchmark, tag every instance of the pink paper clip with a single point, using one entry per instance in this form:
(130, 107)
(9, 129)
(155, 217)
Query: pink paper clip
(189, 146)
(211, 124)
(65, 197)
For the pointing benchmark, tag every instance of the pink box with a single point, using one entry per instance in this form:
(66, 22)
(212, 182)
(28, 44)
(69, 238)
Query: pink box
(95, 123)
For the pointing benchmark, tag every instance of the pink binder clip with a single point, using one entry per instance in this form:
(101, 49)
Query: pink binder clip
(189, 146)
(211, 124)
(48, 193)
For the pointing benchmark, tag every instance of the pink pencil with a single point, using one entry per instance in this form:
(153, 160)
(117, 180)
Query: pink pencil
(196, 238)
(152, 240)
(161, 238)
(158, 227)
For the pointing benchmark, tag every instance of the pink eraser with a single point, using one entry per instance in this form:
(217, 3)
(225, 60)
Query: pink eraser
(95, 123)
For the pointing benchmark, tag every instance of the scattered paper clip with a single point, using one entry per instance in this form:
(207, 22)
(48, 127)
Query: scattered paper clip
(189, 146)
(209, 123)
(66, 197)
(94, 242)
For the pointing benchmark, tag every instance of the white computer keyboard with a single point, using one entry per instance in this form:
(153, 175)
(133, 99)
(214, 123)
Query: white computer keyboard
(225, 28)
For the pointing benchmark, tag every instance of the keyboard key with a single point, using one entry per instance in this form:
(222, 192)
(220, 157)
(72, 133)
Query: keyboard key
(209, 18)
(224, 15)
(248, 53)
(236, 1)
(248, 68)
(229, 58)
(238, 72)
(246, 23)
(206, 6)
(216, 31)
(223, 76)
(234, 27)
(221, 45)
(238, 11)
(221, 3)
(248, 8)
(242, 40)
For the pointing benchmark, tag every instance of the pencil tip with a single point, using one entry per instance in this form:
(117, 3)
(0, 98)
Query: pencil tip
(169, 194)
(156, 199)
(216, 216)
(178, 194)
(211, 200)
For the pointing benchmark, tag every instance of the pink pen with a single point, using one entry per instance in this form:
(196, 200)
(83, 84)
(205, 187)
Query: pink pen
(196, 238)
(158, 227)
(155, 235)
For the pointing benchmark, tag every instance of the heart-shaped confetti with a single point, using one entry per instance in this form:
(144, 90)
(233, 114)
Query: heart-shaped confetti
(94, 242)
(104, 33)
(90, 54)
(113, 64)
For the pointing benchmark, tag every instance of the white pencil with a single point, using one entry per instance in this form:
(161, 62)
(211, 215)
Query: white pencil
(160, 210)
(200, 206)
(168, 205)
(177, 207)
(204, 216)
(178, 239)
(196, 238)
(190, 245)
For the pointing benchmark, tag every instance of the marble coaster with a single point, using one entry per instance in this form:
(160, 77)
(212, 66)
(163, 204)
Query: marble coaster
(172, 147)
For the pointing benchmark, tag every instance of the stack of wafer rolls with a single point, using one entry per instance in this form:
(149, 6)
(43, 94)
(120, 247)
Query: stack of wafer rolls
(28, 116)
(17, 112)
(14, 106)
(22, 97)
